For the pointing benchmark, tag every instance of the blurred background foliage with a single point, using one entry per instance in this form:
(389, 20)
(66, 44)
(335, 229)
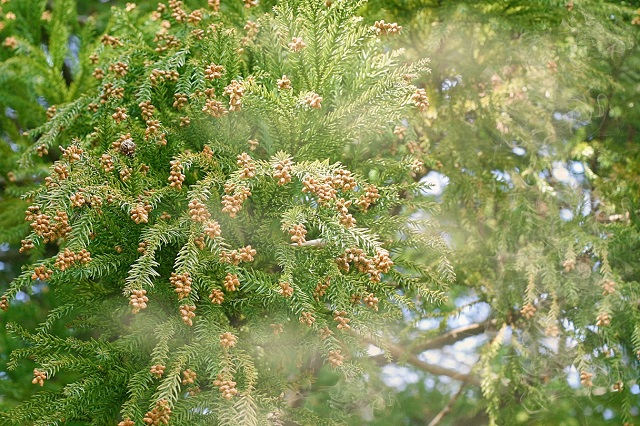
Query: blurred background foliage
(531, 144)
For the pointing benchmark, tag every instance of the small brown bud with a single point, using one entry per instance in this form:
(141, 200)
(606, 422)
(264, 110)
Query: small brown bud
(228, 340)
(231, 282)
(216, 296)
(286, 290)
(188, 377)
(39, 377)
(297, 44)
(187, 312)
(157, 370)
(138, 300)
(335, 358)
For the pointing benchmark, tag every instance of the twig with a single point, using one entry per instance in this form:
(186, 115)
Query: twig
(318, 242)
(397, 352)
(453, 336)
(447, 408)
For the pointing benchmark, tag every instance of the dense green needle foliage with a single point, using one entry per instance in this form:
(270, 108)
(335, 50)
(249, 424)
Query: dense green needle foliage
(229, 202)
(222, 209)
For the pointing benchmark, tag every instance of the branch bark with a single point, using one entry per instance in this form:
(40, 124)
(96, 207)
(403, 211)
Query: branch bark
(318, 242)
(398, 353)
(453, 336)
(447, 408)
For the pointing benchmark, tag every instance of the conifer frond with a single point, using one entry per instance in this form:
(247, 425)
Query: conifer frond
(185, 174)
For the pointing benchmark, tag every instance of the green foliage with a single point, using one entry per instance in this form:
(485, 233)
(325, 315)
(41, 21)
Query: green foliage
(530, 115)
(155, 163)
(522, 271)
